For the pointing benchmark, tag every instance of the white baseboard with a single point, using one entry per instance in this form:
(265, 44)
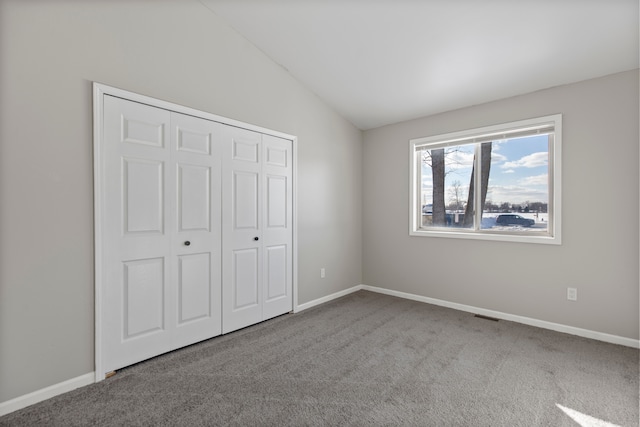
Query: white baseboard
(307, 305)
(599, 336)
(46, 393)
(83, 380)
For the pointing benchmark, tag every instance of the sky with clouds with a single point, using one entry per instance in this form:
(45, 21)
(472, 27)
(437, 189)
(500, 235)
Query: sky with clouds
(519, 172)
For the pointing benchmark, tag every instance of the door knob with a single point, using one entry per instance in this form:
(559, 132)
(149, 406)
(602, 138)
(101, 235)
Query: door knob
(256, 238)
(187, 243)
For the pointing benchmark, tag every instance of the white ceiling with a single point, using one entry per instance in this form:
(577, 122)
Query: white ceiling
(378, 62)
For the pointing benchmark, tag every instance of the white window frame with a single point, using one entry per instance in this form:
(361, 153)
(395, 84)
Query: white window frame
(485, 134)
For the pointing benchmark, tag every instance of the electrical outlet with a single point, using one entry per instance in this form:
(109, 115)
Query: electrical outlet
(322, 273)
(572, 294)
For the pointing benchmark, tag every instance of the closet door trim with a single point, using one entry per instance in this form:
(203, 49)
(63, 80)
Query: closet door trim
(99, 91)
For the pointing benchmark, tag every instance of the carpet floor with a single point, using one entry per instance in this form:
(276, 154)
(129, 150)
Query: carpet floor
(365, 360)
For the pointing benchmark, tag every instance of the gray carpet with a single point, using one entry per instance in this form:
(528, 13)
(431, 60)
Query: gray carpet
(365, 359)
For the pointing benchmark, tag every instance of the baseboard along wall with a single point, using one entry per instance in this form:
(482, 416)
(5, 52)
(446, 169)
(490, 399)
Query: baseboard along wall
(585, 333)
(46, 393)
(86, 379)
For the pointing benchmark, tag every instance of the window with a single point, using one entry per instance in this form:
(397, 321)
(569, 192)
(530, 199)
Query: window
(498, 182)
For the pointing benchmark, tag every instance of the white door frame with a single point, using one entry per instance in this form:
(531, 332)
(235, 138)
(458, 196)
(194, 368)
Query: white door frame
(99, 91)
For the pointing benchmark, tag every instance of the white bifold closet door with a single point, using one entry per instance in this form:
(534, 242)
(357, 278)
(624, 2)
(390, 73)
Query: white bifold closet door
(161, 251)
(257, 227)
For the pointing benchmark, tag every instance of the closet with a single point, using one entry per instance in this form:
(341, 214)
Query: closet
(194, 226)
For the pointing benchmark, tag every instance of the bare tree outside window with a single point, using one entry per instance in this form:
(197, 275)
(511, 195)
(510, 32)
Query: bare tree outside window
(455, 195)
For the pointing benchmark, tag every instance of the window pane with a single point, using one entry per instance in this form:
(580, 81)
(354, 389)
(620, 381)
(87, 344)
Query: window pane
(509, 173)
(518, 192)
(446, 176)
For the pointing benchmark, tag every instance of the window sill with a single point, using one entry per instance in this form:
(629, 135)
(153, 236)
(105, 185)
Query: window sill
(538, 238)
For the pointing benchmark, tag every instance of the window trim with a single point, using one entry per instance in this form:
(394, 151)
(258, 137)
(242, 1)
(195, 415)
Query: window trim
(477, 135)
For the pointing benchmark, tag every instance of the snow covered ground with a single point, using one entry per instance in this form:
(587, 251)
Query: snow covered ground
(541, 219)
(489, 221)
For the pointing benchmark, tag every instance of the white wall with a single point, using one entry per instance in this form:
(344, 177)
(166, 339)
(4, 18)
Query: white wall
(178, 51)
(599, 252)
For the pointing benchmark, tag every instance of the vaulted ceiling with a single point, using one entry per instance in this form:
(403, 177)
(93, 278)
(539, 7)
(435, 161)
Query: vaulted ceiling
(384, 61)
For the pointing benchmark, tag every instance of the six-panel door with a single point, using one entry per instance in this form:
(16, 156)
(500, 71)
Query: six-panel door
(197, 230)
(277, 232)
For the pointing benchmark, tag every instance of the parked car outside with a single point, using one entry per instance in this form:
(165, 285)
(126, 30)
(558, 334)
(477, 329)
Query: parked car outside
(513, 219)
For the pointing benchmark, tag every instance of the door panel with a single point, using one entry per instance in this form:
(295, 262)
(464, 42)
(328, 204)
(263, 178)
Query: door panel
(241, 224)
(143, 191)
(245, 278)
(257, 227)
(245, 201)
(137, 129)
(277, 235)
(194, 277)
(276, 274)
(194, 197)
(161, 233)
(143, 291)
(277, 202)
(245, 145)
(195, 141)
(136, 312)
(278, 156)
(197, 231)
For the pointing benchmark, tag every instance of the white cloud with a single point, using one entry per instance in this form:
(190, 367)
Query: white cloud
(509, 171)
(497, 157)
(535, 180)
(531, 161)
